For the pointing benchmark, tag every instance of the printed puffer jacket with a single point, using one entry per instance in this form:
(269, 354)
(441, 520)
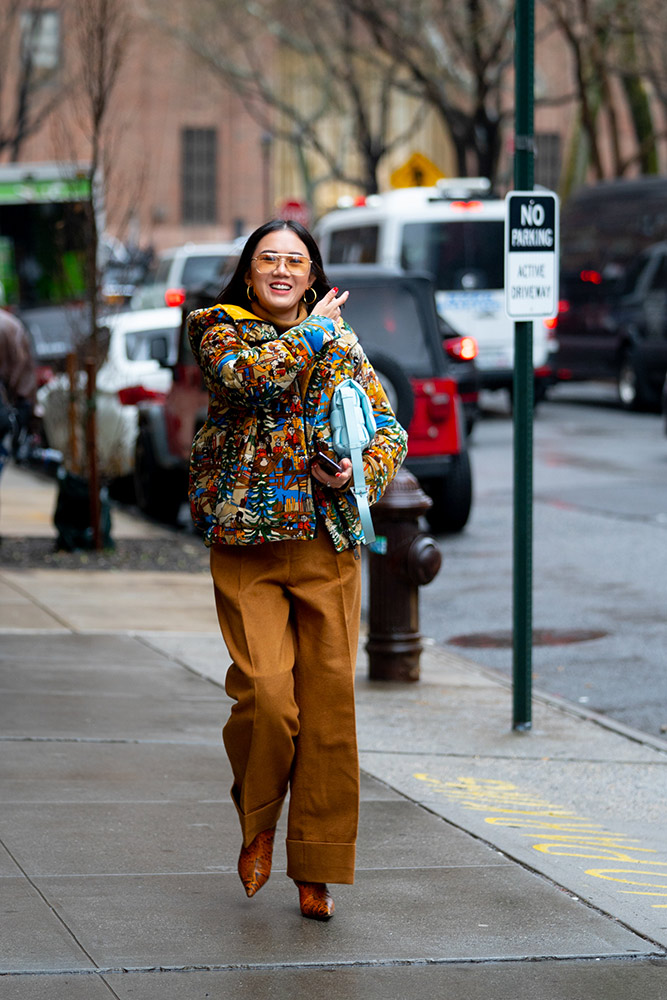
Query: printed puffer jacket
(269, 398)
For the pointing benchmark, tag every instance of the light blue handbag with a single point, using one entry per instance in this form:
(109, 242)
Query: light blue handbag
(353, 428)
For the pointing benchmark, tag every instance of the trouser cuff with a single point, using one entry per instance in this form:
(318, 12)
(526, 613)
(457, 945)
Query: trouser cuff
(264, 818)
(309, 861)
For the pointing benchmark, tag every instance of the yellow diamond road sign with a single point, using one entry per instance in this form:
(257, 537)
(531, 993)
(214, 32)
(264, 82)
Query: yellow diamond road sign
(417, 171)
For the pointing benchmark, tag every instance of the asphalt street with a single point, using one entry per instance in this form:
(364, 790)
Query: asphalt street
(599, 556)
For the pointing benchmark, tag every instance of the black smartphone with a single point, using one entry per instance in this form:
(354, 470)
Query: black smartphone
(327, 464)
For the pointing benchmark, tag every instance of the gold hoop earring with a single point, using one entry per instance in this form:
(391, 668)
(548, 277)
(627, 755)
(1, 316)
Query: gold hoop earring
(248, 291)
(310, 302)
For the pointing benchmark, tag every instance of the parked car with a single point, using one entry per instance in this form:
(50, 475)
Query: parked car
(120, 279)
(140, 344)
(611, 327)
(664, 403)
(454, 232)
(180, 270)
(395, 315)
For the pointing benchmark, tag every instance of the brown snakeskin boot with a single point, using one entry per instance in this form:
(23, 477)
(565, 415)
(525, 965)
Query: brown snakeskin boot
(255, 861)
(315, 900)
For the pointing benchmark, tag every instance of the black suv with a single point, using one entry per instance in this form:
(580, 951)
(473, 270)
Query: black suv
(617, 328)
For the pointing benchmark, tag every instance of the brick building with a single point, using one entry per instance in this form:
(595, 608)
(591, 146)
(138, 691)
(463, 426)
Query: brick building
(182, 159)
(185, 161)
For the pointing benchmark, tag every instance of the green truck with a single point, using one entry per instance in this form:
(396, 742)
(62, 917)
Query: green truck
(43, 238)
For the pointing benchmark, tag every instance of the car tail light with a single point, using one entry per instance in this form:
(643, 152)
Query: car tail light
(594, 277)
(465, 206)
(134, 394)
(174, 296)
(461, 348)
(563, 307)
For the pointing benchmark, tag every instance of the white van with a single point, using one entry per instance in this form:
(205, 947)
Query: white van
(453, 231)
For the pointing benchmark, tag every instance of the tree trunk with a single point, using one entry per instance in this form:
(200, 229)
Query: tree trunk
(642, 123)
(91, 447)
(485, 141)
(639, 107)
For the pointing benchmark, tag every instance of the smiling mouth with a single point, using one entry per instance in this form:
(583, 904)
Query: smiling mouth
(279, 286)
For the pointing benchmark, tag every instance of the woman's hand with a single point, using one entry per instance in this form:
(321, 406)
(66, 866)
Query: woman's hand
(338, 481)
(330, 304)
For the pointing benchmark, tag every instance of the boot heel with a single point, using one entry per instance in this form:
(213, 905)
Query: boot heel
(315, 900)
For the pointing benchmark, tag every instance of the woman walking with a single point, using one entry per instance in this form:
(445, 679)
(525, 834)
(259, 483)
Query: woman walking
(284, 535)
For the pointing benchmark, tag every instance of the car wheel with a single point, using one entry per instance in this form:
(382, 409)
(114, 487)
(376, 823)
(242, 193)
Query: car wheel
(159, 493)
(632, 387)
(397, 386)
(451, 496)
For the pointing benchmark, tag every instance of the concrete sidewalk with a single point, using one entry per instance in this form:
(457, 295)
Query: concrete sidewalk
(491, 864)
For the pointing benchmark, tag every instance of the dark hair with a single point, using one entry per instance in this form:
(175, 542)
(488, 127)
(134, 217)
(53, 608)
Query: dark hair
(235, 291)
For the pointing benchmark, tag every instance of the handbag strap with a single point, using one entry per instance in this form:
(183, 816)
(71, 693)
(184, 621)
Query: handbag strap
(360, 489)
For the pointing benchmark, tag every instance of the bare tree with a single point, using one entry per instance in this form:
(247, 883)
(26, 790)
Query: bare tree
(611, 69)
(102, 30)
(29, 91)
(309, 75)
(635, 77)
(457, 54)
(650, 57)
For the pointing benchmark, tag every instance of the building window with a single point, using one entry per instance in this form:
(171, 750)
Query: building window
(199, 174)
(547, 159)
(40, 40)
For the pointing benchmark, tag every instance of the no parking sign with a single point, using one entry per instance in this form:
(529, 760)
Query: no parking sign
(531, 255)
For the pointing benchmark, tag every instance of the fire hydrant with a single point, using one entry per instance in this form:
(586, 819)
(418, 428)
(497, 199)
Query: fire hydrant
(402, 559)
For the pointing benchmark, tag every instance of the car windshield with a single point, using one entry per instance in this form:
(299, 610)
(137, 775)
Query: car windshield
(357, 245)
(202, 269)
(386, 320)
(461, 256)
(633, 273)
(141, 345)
(123, 274)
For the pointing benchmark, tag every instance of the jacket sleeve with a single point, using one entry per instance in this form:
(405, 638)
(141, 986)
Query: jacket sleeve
(246, 374)
(386, 452)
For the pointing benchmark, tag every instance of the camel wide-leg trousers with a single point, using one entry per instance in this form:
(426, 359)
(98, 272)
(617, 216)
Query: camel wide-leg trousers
(289, 614)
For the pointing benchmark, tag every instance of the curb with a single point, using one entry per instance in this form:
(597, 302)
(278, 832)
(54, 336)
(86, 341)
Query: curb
(555, 701)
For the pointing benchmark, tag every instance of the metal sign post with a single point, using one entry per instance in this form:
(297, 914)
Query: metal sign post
(524, 142)
(531, 292)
